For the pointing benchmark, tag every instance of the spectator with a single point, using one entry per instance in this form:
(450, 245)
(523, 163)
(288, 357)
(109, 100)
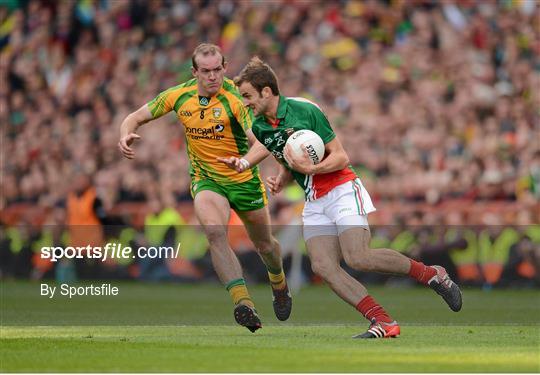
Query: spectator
(429, 123)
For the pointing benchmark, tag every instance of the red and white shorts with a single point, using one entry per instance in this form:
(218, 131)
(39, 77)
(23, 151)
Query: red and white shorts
(345, 206)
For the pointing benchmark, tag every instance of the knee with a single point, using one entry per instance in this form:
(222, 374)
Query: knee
(360, 261)
(216, 236)
(267, 246)
(323, 268)
(362, 264)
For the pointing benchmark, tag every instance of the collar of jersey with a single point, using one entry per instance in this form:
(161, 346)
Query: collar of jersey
(281, 112)
(282, 107)
(198, 95)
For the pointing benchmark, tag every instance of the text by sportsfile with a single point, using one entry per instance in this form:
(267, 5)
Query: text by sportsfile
(109, 251)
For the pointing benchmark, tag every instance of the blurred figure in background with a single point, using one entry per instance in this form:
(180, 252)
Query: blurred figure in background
(84, 218)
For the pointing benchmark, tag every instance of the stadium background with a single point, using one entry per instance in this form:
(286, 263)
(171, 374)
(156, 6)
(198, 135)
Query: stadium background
(436, 104)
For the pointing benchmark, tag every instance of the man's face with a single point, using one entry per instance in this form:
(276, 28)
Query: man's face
(209, 74)
(252, 99)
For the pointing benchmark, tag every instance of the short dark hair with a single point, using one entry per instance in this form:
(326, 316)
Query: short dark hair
(206, 49)
(259, 75)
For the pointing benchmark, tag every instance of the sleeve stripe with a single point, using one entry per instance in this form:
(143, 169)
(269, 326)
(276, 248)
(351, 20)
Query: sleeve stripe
(237, 129)
(163, 102)
(183, 98)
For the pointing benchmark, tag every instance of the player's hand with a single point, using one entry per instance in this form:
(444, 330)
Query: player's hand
(275, 184)
(238, 164)
(125, 143)
(301, 163)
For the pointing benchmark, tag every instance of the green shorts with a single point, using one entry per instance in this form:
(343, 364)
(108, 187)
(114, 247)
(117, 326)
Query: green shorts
(244, 196)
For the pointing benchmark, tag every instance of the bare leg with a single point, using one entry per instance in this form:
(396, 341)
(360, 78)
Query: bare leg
(325, 256)
(258, 226)
(358, 255)
(257, 223)
(213, 212)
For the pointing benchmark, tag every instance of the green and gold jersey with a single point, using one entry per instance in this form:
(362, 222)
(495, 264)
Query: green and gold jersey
(214, 126)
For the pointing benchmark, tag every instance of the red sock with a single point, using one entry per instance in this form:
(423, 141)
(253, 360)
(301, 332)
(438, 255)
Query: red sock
(371, 309)
(420, 272)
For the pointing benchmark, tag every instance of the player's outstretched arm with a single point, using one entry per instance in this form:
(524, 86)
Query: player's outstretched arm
(255, 155)
(127, 130)
(335, 160)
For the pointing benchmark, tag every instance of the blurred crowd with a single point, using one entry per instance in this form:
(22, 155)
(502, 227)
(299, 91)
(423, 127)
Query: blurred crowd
(433, 100)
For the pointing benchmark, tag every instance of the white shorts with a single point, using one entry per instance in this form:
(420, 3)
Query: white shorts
(344, 206)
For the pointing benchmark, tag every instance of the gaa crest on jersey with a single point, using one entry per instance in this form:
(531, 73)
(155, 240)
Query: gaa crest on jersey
(216, 112)
(204, 100)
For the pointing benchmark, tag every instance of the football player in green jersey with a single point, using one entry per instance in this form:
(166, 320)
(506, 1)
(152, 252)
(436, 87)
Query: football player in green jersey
(337, 204)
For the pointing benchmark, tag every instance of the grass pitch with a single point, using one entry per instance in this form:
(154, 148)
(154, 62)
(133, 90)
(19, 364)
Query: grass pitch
(190, 328)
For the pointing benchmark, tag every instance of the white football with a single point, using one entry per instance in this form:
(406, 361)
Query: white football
(311, 141)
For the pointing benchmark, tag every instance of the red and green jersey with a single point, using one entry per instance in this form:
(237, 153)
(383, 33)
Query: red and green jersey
(214, 126)
(294, 114)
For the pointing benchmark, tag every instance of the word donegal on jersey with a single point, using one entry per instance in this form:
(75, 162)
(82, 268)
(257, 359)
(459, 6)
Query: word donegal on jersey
(214, 127)
(294, 114)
